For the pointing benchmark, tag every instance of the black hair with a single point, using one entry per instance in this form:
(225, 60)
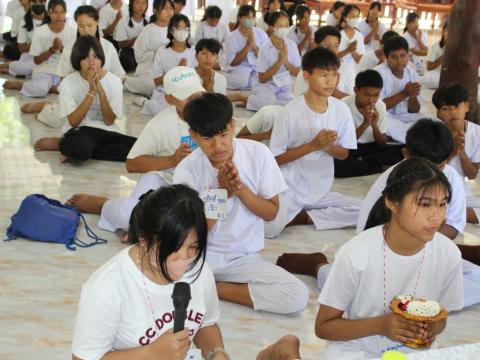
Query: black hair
(450, 95)
(348, 8)
(275, 16)
(325, 31)
(267, 17)
(164, 218)
(50, 6)
(411, 17)
(395, 43)
(183, 2)
(337, 5)
(442, 40)
(373, 5)
(130, 13)
(429, 139)
(300, 12)
(320, 58)
(414, 175)
(81, 50)
(212, 45)
(28, 17)
(369, 78)
(159, 5)
(387, 35)
(245, 10)
(208, 114)
(212, 12)
(89, 11)
(174, 21)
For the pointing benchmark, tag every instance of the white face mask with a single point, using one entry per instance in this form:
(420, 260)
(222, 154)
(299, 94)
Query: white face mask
(352, 22)
(281, 33)
(181, 35)
(176, 269)
(248, 23)
(37, 22)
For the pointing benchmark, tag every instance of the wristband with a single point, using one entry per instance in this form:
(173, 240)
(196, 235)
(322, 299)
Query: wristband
(89, 94)
(215, 350)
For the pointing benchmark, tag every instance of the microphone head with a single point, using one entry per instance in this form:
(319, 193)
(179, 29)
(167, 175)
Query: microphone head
(181, 294)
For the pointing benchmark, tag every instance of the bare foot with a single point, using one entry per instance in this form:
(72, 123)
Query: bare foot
(63, 159)
(47, 144)
(34, 107)
(286, 348)
(305, 264)
(85, 203)
(13, 85)
(54, 90)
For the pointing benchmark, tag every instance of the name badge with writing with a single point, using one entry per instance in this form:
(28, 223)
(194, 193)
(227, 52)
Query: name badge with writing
(187, 139)
(215, 203)
(283, 79)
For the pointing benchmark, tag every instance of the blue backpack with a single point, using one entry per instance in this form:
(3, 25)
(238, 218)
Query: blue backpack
(42, 219)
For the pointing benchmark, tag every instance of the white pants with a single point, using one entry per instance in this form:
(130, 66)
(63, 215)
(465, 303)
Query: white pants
(399, 124)
(23, 66)
(50, 116)
(39, 85)
(267, 94)
(142, 84)
(271, 288)
(474, 203)
(155, 104)
(116, 212)
(332, 211)
(431, 79)
(241, 78)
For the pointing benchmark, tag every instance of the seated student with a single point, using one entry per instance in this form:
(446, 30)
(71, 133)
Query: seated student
(252, 180)
(416, 40)
(16, 12)
(151, 38)
(206, 55)
(371, 27)
(352, 43)
(47, 45)
(127, 31)
(278, 60)
(211, 27)
(335, 14)
(125, 309)
(178, 52)
(305, 150)
(241, 50)
(90, 101)
(110, 15)
(233, 21)
(373, 58)
(452, 105)
(12, 7)
(372, 155)
(329, 37)
(431, 78)
(259, 126)
(264, 22)
(302, 32)
(24, 65)
(179, 5)
(162, 144)
(401, 88)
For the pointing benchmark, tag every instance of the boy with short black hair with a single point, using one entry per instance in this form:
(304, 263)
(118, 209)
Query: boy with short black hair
(312, 130)
(373, 58)
(206, 53)
(373, 155)
(178, 6)
(244, 178)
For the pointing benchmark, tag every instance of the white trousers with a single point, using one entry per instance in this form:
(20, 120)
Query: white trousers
(39, 85)
(271, 288)
(267, 94)
(474, 203)
(155, 104)
(399, 124)
(431, 79)
(23, 66)
(50, 116)
(241, 78)
(142, 84)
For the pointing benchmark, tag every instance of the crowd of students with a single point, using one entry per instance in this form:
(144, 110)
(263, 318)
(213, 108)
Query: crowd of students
(342, 100)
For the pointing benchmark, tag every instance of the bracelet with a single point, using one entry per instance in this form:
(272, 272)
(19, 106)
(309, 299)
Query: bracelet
(92, 95)
(215, 350)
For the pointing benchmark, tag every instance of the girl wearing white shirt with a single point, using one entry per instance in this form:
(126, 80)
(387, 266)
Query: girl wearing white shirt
(12, 7)
(233, 21)
(151, 38)
(431, 79)
(416, 42)
(126, 310)
(352, 43)
(263, 22)
(11, 50)
(335, 14)
(354, 314)
(110, 15)
(24, 65)
(371, 27)
(302, 32)
(127, 32)
(178, 52)
(211, 27)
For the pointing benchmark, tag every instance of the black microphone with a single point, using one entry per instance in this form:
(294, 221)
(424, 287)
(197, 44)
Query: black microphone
(181, 297)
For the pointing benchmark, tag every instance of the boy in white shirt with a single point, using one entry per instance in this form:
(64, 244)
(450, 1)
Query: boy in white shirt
(313, 130)
(259, 126)
(369, 114)
(246, 180)
(401, 88)
(110, 15)
(376, 57)
(163, 143)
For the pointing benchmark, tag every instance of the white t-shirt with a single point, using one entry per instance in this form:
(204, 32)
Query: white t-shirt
(367, 136)
(345, 41)
(311, 176)
(97, 4)
(219, 83)
(43, 39)
(233, 15)
(435, 52)
(297, 36)
(73, 90)
(161, 137)
(368, 61)
(12, 7)
(413, 43)
(112, 62)
(123, 31)
(151, 38)
(108, 14)
(16, 20)
(456, 210)
(365, 29)
(236, 42)
(25, 36)
(331, 20)
(356, 285)
(167, 58)
(263, 120)
(114, 313)
(242, 231)
(205, 31)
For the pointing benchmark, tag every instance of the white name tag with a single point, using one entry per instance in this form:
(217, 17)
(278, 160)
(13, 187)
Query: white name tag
(283, 79)
(215, 202)
(194, 354)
